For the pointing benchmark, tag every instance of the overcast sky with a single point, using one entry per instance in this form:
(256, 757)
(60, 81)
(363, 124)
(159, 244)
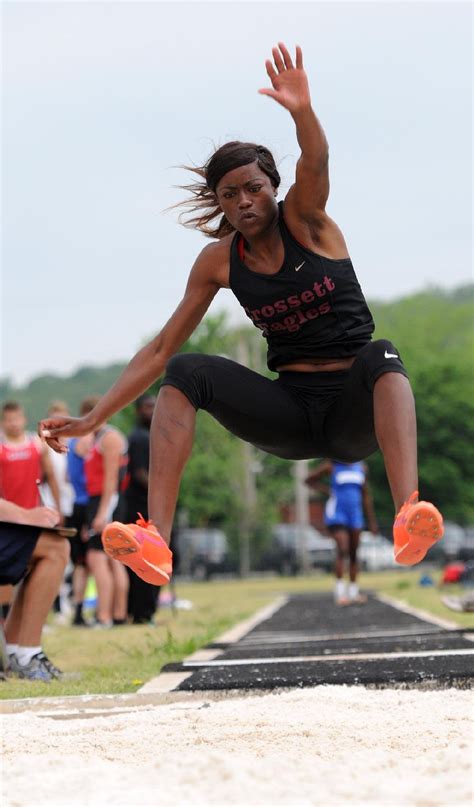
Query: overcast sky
(102, 100)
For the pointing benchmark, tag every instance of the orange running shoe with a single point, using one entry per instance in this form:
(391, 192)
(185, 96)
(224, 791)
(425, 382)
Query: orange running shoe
(141, 547)
(417, 526)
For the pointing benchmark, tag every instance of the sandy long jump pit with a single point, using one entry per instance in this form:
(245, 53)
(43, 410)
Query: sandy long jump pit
(316, 746)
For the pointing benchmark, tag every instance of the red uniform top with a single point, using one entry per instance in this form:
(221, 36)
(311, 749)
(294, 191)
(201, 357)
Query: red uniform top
(94, 465)
(20, 467)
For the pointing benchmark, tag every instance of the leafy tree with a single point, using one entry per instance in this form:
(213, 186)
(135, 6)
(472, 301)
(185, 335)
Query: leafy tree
(36, 396)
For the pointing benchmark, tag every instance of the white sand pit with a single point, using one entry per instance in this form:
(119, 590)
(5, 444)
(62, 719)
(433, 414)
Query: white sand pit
(319, 746)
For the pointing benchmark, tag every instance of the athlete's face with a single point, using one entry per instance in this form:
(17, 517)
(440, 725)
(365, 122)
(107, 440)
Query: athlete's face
(13, 424)
(247, 199)
(145, 412)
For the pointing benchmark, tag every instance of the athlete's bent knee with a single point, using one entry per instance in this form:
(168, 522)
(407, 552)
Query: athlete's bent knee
(49, 547)
(190, 373)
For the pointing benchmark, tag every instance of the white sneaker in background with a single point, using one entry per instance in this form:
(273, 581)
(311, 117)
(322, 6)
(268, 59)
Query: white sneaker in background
(340, 593)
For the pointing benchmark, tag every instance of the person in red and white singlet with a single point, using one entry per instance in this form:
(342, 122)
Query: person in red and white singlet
(24, 460)
(59, 463)
(103, 467)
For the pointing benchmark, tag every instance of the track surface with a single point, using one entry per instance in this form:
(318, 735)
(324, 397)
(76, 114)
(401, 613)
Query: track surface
(309, 641)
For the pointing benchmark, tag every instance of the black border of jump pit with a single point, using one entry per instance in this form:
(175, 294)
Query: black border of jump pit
(309, 641)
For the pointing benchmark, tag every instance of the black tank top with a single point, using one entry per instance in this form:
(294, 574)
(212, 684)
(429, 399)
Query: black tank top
(312, 308)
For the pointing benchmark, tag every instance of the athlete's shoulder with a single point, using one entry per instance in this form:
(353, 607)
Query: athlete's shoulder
(35, 441)
(317, 230)
(111, 434)
(217, 249)
(213, 261)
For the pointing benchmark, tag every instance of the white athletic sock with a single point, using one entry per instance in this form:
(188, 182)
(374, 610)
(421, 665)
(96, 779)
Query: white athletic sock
(353, 591)
(340, 591)
(12, 649)
(25, 654)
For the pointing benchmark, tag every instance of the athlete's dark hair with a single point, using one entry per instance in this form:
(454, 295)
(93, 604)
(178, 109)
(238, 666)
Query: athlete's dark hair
(88, 404)
(142, 399)
(11, 406)
(203, 206)
(57, 407)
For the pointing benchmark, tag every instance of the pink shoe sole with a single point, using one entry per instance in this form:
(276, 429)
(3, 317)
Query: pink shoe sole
(120, 544)
(423, 528)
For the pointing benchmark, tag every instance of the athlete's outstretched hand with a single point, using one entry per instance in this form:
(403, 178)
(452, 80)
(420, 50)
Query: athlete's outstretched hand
(53, 429)
(289, 82)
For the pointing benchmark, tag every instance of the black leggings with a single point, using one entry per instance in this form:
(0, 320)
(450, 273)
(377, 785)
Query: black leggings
(297, 415)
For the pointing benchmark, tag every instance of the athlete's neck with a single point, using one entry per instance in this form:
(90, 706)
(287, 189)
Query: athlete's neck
(263, 246)
(265, 252)
(16, 439)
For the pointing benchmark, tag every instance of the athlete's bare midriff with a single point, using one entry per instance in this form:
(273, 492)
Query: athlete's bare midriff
(317, 365)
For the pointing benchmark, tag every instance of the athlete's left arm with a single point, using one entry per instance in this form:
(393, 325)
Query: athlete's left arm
(48, 473)
(305, 202)
(290, 88)
(313, 480)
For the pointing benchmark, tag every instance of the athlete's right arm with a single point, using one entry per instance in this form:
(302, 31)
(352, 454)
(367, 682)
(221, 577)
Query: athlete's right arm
(148, 364)
(313, 480)
(36, 516)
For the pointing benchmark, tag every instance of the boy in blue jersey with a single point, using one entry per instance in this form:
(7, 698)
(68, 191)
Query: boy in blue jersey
(349, 497)
(78, 448)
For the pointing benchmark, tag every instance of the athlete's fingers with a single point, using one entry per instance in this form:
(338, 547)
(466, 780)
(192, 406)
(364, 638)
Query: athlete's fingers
(56, 445)
(51, 424)
(52, 432)
(49, 430)
(268, 91)
(299, 58)
(43, 432)
(279, 64)
(286, 56)
(271, 72)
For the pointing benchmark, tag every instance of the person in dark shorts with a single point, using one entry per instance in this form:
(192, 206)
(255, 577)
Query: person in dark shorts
(104, 465)
(142, 597)
(33, 559)
(349, 504)
(77, 450)
(337, 393)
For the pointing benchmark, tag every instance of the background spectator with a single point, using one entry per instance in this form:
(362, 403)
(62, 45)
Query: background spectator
(60, 468)
(142, 597)
(61, 604)
(24, 460)
(349, 498)
(104, 465)
(78, 448)
(34, 558)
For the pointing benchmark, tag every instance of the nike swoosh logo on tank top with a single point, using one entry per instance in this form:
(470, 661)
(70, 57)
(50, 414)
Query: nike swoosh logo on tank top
(318, 313)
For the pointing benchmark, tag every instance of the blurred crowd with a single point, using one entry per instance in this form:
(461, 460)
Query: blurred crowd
(53, 509)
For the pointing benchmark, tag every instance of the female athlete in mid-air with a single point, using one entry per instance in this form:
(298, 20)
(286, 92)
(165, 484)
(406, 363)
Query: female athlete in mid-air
(337, 393)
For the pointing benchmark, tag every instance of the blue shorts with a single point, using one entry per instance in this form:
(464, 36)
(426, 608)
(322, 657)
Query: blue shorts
(344, 512)
(17, 544)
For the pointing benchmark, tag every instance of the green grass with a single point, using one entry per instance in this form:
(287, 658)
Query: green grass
(122, 659)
